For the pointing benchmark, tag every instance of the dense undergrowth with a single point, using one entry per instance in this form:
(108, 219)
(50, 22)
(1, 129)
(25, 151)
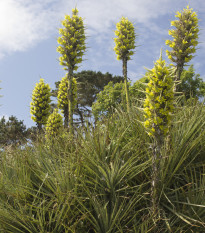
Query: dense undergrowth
(100, 180)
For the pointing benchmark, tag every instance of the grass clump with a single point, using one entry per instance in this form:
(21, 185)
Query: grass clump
(100, 179)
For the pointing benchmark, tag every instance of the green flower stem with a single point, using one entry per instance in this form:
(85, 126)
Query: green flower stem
(156, 179)
(70, 109)
(124, 67)
(124, 48)
(66, 119)
(179, 70)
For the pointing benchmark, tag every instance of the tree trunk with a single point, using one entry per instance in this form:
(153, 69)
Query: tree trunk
(70, 100)
(66, 117)
(179, 70)
(39, 126)
(124, 68)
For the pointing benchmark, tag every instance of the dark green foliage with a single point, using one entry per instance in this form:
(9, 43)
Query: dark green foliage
(89, 83)
(12, 132)
(137, 90)
(114, 95)
(108, 99)
(192, 86)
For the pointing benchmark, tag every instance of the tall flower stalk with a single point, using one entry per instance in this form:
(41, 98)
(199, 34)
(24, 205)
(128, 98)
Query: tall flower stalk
(184, 41)
(158, 108)
(63, 99)
(124, 48)
(72, 48)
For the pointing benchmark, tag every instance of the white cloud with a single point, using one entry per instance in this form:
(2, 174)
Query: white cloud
(23, 23)
(101, 15)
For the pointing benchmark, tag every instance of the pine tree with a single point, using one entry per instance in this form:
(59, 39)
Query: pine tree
(63, 97)
(12, 132)
(89, 84)
(40, 105)
(54, 125)
(184, 39)
(72, 48)
(124, 46)
(158, 107)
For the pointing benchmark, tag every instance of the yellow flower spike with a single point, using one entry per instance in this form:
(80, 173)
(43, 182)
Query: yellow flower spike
(71, 48)
(73, 36)
(186, 28)
(40, 105)
(124, 29)
(54, 125)
(155, 96)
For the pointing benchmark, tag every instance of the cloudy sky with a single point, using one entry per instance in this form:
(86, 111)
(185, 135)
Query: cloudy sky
(29, 32)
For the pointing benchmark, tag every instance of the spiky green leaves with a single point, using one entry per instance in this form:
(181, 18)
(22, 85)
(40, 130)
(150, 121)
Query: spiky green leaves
(40, 105)
(54, 124)
(72, 41)
(125, 41)
(184, 37)
(158, 104)
(63, 94)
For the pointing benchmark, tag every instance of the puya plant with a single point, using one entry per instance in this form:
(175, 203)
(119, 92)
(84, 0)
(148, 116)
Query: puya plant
(72, 48)
(40, 105)
(184, 41)
(54, 125)
(63, 97)
(158, 107)
(124, 48)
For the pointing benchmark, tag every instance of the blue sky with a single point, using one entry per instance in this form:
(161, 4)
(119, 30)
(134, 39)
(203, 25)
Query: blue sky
(29, 32)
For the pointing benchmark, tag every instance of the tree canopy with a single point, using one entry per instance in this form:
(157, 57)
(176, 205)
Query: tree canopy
(12, 132)
(89, 84)
(192, 86)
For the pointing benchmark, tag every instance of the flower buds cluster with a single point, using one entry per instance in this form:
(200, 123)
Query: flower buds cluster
(54, 124)
(184, 37)
(158, 104)
(72, 41)
(125, 41)
(40, 105)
